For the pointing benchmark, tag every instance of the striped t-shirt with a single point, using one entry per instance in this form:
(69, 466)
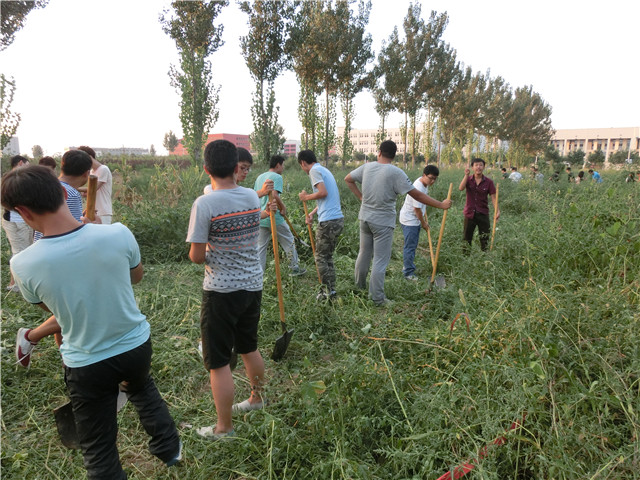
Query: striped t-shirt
(74, 202)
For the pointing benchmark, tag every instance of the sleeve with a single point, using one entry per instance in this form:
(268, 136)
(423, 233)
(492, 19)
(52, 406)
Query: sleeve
(412, 202)
(277, 183)
(401, 183)
(492, 187)
(315, 176)
(26, 292)
(133, 248)
(356, 174)
(103, 174)
(198, 223)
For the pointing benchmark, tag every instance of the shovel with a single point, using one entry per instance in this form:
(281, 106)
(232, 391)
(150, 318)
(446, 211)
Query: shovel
(495, 214)
(293, 230)
(66, 425)
(92, 188)
(282, 342)
(313, 243)
(439, 280)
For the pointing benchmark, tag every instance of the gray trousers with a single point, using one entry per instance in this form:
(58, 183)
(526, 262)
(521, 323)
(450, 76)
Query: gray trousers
(285, 240)
(375, 242)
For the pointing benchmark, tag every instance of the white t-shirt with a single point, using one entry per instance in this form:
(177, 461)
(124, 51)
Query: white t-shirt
(407, 214)
(103, 195)
(515, 176)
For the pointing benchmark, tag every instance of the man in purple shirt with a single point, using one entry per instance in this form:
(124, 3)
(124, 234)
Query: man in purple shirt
(476, 209)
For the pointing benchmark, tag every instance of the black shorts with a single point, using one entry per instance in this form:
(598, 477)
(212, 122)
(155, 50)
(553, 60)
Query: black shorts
(228, 320)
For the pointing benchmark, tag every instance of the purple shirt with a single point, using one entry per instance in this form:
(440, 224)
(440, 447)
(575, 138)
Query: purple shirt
(478, 196)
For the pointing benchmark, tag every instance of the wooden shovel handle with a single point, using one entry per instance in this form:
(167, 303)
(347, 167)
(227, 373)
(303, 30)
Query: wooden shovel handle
(444, 219)
(92, 188)
(495, 214)
(276, 256)
(313, 242)
(426, 219)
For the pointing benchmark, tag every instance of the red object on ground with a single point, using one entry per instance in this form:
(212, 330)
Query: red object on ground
(461, 470)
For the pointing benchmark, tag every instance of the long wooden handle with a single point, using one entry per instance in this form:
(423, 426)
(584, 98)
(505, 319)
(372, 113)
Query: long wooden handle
(495, 214)
(444, 219)
(426, 219)
(293, 230)
(313, 242)
(92, 188)
(276, 256)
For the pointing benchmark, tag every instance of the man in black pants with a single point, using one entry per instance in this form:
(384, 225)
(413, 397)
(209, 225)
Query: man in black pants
(476, 208)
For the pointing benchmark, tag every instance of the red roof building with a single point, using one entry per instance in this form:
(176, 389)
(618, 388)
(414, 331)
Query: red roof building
(237, 139)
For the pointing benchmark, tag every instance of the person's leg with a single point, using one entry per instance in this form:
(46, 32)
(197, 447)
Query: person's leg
(363, 261)
(382, 245)
(411, 235)
(48, 327)
(327, 235)
(20, 236)
(93, 391)
(287, 242)
(254, 364)
(223, 390)
(143, 394)
(484, 230)
(247, 347)
(467, 233)
(264, 237)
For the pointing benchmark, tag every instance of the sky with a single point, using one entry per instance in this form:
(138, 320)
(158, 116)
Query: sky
(95, 72)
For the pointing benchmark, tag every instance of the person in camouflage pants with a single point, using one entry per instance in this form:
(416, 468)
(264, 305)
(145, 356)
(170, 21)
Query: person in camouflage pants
(330, 219)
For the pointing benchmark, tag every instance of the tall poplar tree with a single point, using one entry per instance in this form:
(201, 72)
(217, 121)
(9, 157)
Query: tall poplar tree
(263, 50)
(191, 26)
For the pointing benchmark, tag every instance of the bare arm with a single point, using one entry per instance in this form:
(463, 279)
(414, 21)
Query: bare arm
(279, 203)
(267, 186)
(136, 273)
(321, 193)
(197, 252)
(351, 183)
(427, 200)
(463, 183)
(423, 222)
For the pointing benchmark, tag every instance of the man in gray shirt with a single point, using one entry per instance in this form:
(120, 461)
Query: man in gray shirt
(381, 183)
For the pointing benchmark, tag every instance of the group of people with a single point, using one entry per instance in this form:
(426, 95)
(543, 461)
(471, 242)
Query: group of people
(104, 339)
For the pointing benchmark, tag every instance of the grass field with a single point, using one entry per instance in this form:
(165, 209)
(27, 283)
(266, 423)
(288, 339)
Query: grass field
(396, 392)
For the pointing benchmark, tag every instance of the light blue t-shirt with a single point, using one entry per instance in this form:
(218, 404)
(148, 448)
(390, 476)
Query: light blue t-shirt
(277, 186)
(83, 276)
(329, 206)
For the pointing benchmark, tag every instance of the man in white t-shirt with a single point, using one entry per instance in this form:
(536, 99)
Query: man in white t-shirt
(515, 176)
(412, 220)
(105, 186)
(381, 183)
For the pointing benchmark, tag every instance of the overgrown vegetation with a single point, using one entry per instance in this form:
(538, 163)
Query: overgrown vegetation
(397, 392)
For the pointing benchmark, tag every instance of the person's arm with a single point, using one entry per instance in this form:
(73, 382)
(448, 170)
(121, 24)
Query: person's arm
(351, 183)
(197, 252)
(309, 218)
(267, 209)
(423, 222)
(267, 186)
(463, 183)
(321, 193)
(136, 273)
(427, 200)
(280, 203)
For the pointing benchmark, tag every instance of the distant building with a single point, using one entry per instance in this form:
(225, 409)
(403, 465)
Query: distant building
(291, 148)
(238, 140)
(364, 140)
(12, 148)
(118, 151)
(609, 140)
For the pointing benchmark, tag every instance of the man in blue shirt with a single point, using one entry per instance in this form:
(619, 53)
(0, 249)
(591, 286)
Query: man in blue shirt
(330, 218)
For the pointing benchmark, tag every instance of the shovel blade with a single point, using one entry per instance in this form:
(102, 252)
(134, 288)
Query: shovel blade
(66, 425)
(282, 343)
(439, 281)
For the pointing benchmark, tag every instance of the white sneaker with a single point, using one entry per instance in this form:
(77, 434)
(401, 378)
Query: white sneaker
(24, 348)
(245, 406)
(210, 433)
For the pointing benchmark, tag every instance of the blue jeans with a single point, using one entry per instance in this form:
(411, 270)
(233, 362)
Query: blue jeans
(411, 236)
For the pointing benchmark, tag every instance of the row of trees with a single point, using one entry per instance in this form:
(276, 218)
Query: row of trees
(326, 44)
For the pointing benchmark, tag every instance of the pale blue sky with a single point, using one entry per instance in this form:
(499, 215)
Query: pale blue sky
(95, 71)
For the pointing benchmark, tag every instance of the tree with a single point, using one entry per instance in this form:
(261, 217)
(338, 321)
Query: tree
(263, 50)
(152, 150)
(9, 120)
(37, 152)
(384, 106)
(13, 15)
(308, 113)
(191, 27)
(596, 158)
(319, 47)
(621, 156)
(170, 141)
(576, 157)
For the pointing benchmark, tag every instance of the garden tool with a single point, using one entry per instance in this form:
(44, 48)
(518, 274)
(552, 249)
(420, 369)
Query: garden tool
(439, 280)
(282, 342)
(295, 234)
(92, 188)
(313, 243)
(495, 217)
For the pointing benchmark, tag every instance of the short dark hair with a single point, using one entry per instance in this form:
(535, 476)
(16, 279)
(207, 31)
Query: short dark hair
(244, 156)
(307, 156)
(476, 160)
(515, 169)
(221, 158)
(504, 169)
(75, 163)
(88, 150)
(388, 149)
(33, 186)
(431, 170)
(48, 162)
(590, 170)
(15, 160)
(275, 161)
(568, 168)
